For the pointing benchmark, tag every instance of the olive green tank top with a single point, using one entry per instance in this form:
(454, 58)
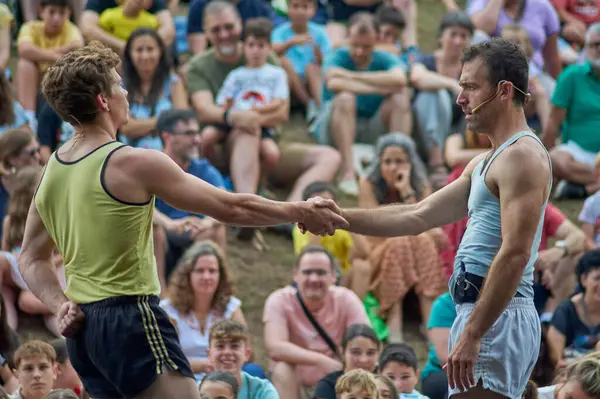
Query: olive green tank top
(106, 243)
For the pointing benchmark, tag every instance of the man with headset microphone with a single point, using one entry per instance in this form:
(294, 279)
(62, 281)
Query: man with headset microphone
(495, 339)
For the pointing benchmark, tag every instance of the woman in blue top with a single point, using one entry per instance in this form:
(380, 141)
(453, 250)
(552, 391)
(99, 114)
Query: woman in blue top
(152, 87)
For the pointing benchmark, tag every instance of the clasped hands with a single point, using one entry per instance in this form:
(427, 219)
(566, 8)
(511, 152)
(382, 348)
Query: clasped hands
(322, 217)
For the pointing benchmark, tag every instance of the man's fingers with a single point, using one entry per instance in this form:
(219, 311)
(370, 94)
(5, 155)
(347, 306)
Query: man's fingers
(450, 372)
(471, 374)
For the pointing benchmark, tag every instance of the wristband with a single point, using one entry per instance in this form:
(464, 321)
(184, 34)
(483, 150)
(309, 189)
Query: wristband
(227, 117)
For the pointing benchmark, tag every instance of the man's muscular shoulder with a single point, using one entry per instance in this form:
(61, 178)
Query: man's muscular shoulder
(524, 163)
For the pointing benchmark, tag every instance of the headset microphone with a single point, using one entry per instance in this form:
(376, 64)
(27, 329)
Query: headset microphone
(527, 96)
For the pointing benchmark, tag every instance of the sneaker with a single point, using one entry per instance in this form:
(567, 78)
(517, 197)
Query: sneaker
(567, 190)
(311, 111)
(349, 187)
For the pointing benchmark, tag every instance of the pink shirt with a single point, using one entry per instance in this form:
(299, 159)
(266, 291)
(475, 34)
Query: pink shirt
(342, 308)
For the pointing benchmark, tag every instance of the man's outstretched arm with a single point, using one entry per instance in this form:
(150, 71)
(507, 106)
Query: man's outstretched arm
(523, 186)
(445, 206)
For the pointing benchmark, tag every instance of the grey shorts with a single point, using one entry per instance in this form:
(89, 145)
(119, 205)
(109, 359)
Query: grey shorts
(368, 130)
(509, 350)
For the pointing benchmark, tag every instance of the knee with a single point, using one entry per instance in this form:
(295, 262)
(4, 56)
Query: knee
(400, 101)
(219, 236)
(26, 66)
(361, 269)
(270, 157)
(209, 135)
(283, 374)
(329, 158)
(561, 161)
(29, 303)
(345, 102)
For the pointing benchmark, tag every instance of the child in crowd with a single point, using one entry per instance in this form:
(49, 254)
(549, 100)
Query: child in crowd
(259, 87)
(539, 104)
(229, 349)
(386, 388)
(303, 43)
(590, 216)
(391, 24)
(67, 378)
(62, 394)
(13, 230)
(40, 44)
(130, 15)
(398, 362)
(35, 368)
(356, 384)
(219, 384)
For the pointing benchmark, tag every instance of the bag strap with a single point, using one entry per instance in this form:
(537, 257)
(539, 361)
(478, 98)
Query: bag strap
(318, 327)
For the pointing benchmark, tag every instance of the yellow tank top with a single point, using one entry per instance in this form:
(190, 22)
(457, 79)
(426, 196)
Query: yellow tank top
(106, 244)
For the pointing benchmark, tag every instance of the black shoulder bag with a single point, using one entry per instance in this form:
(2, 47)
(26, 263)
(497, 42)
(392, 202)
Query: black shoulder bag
(318, 327)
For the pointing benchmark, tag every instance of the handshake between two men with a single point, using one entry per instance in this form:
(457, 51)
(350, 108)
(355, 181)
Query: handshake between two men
(324, 217)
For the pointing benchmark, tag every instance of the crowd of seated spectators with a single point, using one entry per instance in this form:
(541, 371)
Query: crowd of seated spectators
(213, 84)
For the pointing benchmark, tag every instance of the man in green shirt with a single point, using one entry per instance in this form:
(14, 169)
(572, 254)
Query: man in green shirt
(576, 107)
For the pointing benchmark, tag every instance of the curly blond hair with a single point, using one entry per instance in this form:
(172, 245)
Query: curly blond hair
(179, 290)
(70, 85)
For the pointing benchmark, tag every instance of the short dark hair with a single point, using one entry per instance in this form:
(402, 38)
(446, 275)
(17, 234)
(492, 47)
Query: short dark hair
(359, 331)
(318, 187)
(588, 262)
(456, 19)
(225, 377)
(315, 249)
(399, 353)
(167, 120)
(259, 28)
(505, 61)
(387, 14)
(364, 22)
(57, 3)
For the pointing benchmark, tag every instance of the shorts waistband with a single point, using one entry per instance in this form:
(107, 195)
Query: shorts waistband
(515, 303)
(121, 300)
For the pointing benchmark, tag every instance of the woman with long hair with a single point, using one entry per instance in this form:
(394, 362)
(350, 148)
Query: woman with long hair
(397, 175)
(26, 180)
(13, 115)
(435, 76)
(360, 350)
(200, 293)
(152, 87)
(18, 149)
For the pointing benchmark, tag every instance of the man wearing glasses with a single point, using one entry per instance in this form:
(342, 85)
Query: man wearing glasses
(176, 230)
(576, 102)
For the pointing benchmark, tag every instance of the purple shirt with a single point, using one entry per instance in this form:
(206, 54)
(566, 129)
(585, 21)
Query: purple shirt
(540, 20)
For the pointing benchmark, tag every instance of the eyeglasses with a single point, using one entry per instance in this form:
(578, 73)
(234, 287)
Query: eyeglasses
(215, 30)
(594, 45)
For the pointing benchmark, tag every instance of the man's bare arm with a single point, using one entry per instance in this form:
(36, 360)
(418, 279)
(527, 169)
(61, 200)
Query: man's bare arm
(166, 26)
(204, 105)
(279, 347)
(522, 178)
(157, 174)
(552, 128)
(339, 84)
(395, 78)
(445, 206)
(35, 262)
(91, 31)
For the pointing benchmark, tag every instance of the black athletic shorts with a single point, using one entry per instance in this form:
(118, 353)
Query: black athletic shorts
(124, 344)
